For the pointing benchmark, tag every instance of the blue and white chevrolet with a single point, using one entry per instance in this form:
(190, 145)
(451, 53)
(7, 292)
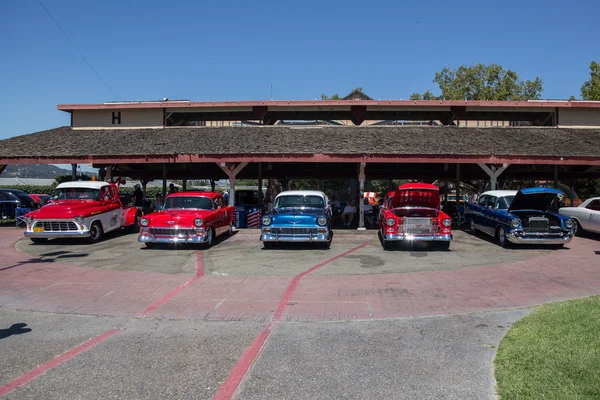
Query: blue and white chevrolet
(298, 216)
(521, 216)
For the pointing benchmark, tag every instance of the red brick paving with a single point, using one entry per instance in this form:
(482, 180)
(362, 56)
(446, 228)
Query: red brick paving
(54, 287)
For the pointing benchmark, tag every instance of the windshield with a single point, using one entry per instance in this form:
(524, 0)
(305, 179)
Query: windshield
(188, 202)
(505, 202)
(77, 194)
(299, 201)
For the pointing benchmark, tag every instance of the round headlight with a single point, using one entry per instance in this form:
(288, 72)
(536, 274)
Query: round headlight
(79, 220)
(322, 220)
(266, 220)
(447, 222)
(515, 223)
(144, 222)
(390, 221)
(569, 223)
(198, 222)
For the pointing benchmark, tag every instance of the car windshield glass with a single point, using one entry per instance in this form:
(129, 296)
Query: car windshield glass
(77, 194)
(299, 201)
(188, 202)
(505, 202)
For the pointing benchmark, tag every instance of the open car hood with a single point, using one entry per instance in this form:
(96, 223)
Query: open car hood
(417, 197)
(534, 199)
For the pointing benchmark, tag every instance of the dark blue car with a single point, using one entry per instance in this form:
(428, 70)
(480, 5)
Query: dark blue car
(522, 216)
(298, 216)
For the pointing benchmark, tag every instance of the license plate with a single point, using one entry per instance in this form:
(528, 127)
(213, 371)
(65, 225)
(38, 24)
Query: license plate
(40, 229)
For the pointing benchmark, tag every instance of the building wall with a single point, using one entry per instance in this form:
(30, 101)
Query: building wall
(579, 117)
(129, 118)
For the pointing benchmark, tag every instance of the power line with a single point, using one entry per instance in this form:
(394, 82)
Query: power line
(79, 52)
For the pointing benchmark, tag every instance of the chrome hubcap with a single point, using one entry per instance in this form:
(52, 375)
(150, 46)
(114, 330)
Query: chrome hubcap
(501, 236)
(95, 232)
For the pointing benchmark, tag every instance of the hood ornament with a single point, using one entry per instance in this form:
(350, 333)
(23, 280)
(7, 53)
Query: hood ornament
(171, 222)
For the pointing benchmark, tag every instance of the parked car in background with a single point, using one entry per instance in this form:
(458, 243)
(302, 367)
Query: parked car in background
(521, 216)
(82, 209)
(298, 216)
(188, 217)
(11, 199)
(586, 217)
(41, 199)
(412, 213)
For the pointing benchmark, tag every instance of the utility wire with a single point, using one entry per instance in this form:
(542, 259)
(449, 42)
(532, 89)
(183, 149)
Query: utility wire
(79, 52)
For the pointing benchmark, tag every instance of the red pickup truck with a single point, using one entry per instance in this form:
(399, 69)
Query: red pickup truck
(188, 217)
(82, 209)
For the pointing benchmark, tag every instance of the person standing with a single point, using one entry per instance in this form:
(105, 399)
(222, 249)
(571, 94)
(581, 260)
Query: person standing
(138, 196)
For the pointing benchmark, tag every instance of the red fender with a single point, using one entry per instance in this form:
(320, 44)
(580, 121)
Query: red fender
(130, 216)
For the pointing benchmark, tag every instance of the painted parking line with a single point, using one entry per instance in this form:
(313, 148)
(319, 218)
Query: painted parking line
(82, 348)
(61, 359)
(241, 368)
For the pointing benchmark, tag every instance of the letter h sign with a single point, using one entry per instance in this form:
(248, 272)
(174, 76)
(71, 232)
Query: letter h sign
(116, 116)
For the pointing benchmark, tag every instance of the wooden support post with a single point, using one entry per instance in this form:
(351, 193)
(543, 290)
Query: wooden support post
(108, 176)
(185, 184)
(458, 194)
(361, 187)
(73, 172)
(555, 176)
(144, 186)
(2, 168)
(260, 182)
(493, 173)
(232, 171)
(164, 178)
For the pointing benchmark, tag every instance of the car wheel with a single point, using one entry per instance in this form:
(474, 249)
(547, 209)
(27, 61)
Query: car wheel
(268, 245)
(39, 240)
(472, 228)
(501, 237)
(387, 245)
(578, 231)
(135, 228)
(444, 246)
(96, 233)
(149, 245)
(210, 235)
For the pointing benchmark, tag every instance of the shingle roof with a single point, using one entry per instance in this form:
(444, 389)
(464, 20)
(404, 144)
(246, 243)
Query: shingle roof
(375, 140)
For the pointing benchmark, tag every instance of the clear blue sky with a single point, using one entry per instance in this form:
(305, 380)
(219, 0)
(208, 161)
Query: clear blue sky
(230, 50)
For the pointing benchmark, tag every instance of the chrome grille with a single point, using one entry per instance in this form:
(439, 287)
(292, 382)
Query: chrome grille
(418, 226)
(173, 231)
(537, 225)
(295, 231)
(57, 226)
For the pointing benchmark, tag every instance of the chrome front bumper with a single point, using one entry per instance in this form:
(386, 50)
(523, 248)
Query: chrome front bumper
(534, 239)
(172, 239)
(417, 238)
(297, 237)
(56, 235)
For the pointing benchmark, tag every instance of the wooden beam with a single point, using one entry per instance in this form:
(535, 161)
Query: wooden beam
(361, 183)
(2, 168)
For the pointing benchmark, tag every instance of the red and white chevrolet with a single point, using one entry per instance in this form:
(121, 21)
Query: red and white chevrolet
(82, 209)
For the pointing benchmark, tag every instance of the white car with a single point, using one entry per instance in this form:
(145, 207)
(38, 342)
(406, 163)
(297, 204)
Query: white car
(586, 217)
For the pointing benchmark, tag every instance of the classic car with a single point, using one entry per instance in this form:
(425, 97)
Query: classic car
(11, 199)
(298, 216)
(188, 217)
(586, 217)
(521, 216)
(41, 199)
(82, 209)
(412, 213)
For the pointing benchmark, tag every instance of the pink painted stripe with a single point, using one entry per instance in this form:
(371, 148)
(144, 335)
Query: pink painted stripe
(240, 369)
(199, 274)
(289, 292)
(42, 369)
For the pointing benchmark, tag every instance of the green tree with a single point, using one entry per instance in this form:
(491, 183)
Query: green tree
(482, 82)
(591, 89)
(338, 97)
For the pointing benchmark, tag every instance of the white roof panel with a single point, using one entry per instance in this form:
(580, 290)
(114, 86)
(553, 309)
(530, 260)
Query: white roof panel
(499, 193)
(302, 193)
(82, 184)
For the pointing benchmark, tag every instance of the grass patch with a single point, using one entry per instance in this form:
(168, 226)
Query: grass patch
(553, 353)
